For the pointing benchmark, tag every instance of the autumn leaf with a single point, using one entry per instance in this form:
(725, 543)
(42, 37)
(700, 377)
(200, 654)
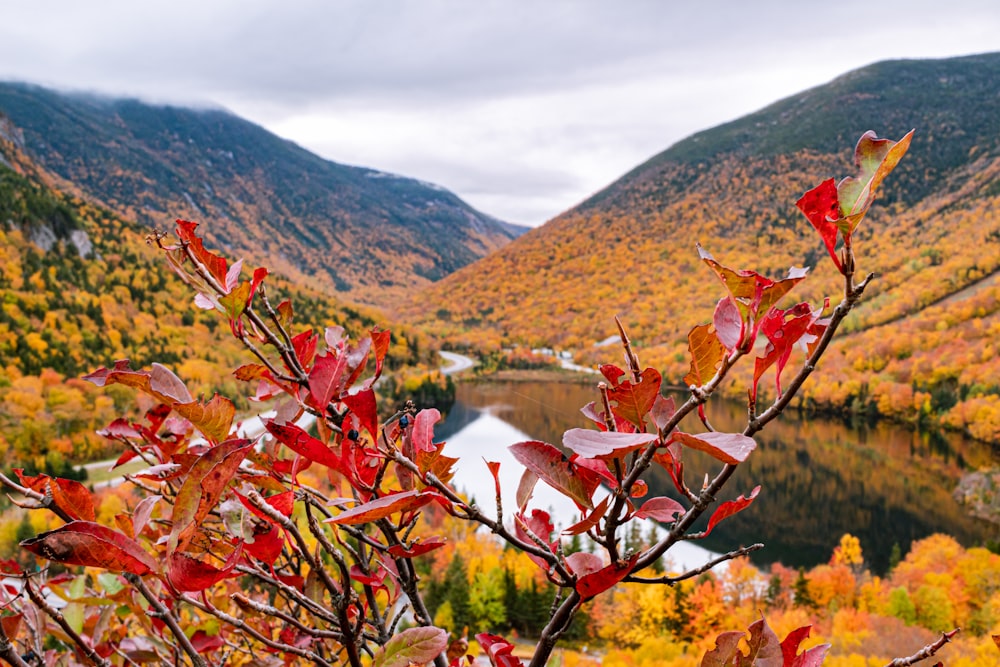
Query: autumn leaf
(423, 429)
(633, 400)
(419, 547)
(499, 650)
(363, 405)
(91, 545)
(385, 506)
(783, 329)
(728, 323)
(553, 468)
(590, 520)
(604, 444)
(413, 646)
(729, 508)
(582, 563)
(325, 379)
(303, 444)
(188, 574)
(813, 657)
(596, 583)
(70, 496)
(707, 352)
(660, 509)
(203, 487)
(731, 448)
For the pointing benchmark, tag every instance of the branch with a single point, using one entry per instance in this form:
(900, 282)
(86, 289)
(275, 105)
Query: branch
(8, 652)
(56, 616)
(736, 553)
(44, 500)
(925, 652)
(164, 614)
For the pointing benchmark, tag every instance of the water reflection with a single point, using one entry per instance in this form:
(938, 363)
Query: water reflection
(820, 477)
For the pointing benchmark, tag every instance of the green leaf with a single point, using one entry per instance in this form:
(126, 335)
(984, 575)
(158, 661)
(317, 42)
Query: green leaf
(414, 646)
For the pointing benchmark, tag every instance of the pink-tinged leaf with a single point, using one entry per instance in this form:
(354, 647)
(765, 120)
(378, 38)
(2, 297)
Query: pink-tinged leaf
(326, 378)
(707, 353)
(214, 419)
(418, 548)
(660, 509)
(91, 545)
(729, 508)
(582, 563)
(499, 650)
(763, 647)
(594, 584)
(553, 468)
(590, 520)
(525, 488)
(821, 206)
(303, 444)
(726, 647)
(633, 400)
(188, 574)
(731, 448)
(728, 323)
(203, 487)
(364, 406)
(357, 359)
(163, 381)
(494, 467)
(385, 506)
(604, 444)
(539, 524)
(143, 512)
(663, 411)
(423, 429)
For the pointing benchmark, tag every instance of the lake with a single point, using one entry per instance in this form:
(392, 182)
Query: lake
(820, 477)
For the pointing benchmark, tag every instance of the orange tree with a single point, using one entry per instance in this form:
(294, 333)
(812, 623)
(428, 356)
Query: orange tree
(236, 554)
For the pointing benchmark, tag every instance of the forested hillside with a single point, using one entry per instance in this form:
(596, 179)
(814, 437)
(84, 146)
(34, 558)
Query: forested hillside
(368, 235)
(80, 288)
(933, 232)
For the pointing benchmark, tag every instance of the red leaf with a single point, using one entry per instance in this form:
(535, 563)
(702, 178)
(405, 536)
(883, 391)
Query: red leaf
(267, 544)
(364, 406)
(553, 468)
(70, 496)
(525, 488)
(728, 323)
(91, 545)
(633, 401)
(660, 509)
(583, 563)
(380, 345)
(783, 329)
(380, 508)
(215, 264)
(326, 379)
(499, 650)
(418, 548)
(604, 444)
(707, 353)
(729, 508)
(726, 648)
(494, 467)
(203, 487)
(206, 643)
(731, 448)
(821, 207)
(304, 345)
(283, 502)
(814, 657)
(590, 520)
(663, 411)
(539, 523)
(596, 583)
(304, 445)
(187, 574)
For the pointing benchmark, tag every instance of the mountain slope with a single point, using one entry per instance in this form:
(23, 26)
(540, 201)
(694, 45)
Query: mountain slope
(79, 289)
(629, 249)
(368, 234)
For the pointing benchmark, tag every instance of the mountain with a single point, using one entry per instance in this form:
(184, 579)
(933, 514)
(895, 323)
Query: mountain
(367, 234)
(922, 343)
(81, 288)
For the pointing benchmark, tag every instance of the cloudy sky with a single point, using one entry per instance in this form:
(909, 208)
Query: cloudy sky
(522, 108)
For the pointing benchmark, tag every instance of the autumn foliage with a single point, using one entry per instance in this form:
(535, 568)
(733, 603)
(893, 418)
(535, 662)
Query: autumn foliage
(302, 541)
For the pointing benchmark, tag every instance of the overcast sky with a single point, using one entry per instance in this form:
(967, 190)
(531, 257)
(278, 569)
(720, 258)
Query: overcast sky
(522, 108)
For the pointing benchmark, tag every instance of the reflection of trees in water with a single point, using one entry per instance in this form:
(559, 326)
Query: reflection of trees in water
(821, 477)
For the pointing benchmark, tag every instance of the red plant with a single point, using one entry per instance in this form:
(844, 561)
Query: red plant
(233, 554)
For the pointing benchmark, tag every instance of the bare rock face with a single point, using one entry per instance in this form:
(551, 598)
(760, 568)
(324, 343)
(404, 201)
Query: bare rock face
(980, 493)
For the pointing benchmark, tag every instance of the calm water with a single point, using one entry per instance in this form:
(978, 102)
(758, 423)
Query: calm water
(820, 478)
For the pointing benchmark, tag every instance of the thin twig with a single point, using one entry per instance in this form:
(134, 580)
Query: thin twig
(164, 614)
(61, 621)
(926, 652)
(736, 553)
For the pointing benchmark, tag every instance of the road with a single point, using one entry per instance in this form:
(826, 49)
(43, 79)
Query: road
(456, 362)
